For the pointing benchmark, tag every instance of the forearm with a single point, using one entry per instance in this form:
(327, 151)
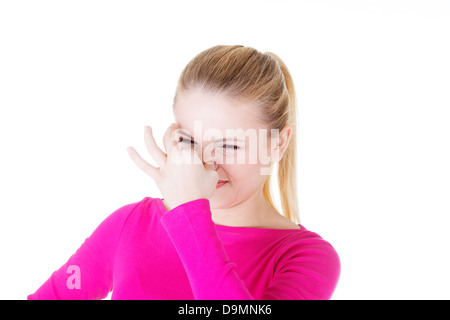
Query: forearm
(211, 274)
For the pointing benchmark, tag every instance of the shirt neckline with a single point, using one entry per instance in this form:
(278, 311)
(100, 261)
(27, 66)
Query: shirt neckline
(239, 229)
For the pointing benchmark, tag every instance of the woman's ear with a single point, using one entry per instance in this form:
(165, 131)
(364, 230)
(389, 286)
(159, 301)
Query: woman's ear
(280, 143)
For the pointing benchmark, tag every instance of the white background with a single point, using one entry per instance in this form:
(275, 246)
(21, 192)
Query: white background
(80, 79)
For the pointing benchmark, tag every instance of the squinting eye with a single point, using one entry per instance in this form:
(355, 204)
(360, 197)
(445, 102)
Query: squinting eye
(181, 139)
(227, 146)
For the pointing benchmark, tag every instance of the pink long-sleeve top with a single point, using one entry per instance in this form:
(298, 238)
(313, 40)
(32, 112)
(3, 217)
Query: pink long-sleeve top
(143, 251)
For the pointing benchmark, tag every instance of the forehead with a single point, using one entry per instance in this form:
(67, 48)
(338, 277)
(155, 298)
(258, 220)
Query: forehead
(214, 111)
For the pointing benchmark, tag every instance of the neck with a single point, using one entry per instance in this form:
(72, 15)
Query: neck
(248, 213)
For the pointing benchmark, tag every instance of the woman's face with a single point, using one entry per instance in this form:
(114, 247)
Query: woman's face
(243, 160)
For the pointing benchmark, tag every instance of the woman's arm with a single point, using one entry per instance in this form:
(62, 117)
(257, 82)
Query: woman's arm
(88, 274)
(211, 274)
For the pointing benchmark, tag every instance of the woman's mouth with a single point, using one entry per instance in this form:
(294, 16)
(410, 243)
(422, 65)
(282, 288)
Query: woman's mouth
(221, 183)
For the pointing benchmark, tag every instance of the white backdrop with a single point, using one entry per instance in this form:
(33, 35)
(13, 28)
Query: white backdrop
(80, 79)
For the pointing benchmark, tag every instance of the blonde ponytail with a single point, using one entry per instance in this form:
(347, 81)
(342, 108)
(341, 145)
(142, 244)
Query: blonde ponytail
(287, 166)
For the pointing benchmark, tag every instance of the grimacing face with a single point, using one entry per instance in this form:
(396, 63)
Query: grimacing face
(227, 135)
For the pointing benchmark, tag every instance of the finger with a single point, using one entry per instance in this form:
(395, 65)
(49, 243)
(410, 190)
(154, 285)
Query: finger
(197, 157)
(169, 138)
(143, 165)
(152, 147)
(211, 165)
(186, 156)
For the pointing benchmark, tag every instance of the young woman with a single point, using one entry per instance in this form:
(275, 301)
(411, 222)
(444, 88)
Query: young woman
(216, 233)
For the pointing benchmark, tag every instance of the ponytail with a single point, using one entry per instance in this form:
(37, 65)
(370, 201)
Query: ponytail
(287, 166)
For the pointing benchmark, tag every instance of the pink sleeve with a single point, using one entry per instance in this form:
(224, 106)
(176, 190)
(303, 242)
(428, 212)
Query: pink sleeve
(88, 273)
(211, 274)
(304, 271)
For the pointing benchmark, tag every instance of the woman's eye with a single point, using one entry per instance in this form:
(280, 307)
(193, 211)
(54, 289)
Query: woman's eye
(185, 140)
(227, 146)
(193, 143)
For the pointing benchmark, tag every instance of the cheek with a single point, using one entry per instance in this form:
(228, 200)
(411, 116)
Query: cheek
(243, 175)
(252, 152)
(258, 153)
(246, 158)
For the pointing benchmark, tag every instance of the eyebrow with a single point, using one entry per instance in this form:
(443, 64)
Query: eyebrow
(185, 133)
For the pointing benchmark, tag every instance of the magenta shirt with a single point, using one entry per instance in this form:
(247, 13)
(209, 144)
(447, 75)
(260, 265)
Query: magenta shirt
(143, 251)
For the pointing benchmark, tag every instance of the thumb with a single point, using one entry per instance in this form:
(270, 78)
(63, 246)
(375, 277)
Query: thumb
(214, 174)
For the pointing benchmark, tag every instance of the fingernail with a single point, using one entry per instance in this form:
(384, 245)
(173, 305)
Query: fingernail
(129, 149)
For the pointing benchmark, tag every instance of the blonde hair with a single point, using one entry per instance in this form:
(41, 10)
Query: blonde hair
(248, 75)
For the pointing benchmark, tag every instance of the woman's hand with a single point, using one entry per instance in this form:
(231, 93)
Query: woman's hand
(181, 176)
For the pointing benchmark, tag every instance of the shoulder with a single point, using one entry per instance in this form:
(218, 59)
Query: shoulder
(146, 204)
(307, 243)
(126, 216)
(130, 210)
(309, 254)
